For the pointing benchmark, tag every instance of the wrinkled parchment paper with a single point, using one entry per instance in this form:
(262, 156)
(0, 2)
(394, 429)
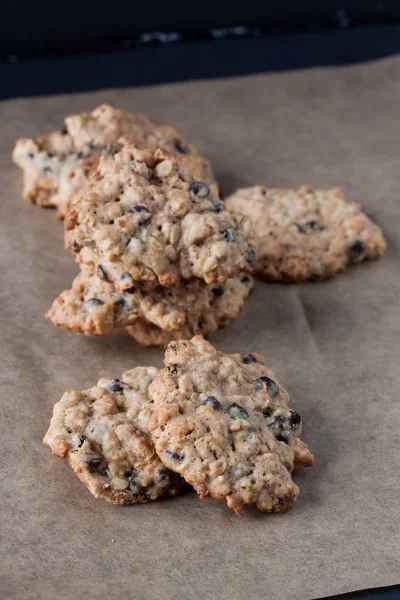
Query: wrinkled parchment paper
(335, 345)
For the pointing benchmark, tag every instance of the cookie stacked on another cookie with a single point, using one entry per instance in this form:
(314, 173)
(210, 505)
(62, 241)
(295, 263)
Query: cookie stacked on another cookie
(158, 250)
(223, 423)
(220, 422)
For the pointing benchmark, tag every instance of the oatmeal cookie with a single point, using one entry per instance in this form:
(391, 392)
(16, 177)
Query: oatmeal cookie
(146, 215)
(93, 306)
(103, 434)
(57, 166)
(306, 235)
(227, 301)
(223, 423)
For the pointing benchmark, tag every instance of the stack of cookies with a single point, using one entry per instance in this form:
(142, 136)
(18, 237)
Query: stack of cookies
(218, 422)
(160, 253)
(157, 249)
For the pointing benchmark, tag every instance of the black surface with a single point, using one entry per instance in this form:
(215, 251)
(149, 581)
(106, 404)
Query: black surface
(387, 593)
(74, 26)
(197, 60)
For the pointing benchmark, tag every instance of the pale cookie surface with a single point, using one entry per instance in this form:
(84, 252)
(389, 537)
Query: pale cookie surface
(94, 307)
(146, 215)
(226, 301)
(57, 165)
(222, 422)
(306, 235)
(103, 434)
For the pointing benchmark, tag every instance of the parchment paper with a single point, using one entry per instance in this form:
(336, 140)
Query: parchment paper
(335, 345)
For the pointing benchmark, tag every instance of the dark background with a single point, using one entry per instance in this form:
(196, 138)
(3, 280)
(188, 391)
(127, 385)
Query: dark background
(46, 27)
(50, 47)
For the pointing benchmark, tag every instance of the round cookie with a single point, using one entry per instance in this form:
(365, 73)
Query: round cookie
(226, 302)
(222, 422)
(93, 307)
(57, 165)
(306, 235)
(103, 434)
(147, 215)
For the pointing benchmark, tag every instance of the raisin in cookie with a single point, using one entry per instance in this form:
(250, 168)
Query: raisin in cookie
(306, 235)
(93, 306)
(103, 434)
(57, 166)
(146, 215)
(226, 301)
(222, 422)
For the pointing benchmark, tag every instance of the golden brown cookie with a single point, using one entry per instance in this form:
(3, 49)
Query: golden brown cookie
(305, 234)
(223, 423)
(103, 434)
(146, 216)
(57, 166)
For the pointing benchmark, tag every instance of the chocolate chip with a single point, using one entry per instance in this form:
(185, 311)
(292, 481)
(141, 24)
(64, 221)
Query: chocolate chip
(229, 235)
(142, 210)
(92, 302)
(64, 130)
(269, 384)
(250, 256)
(263, 192)
(97, 465)
(120, 303)
(74, 246)
(47, 170)
(180, 146)
(134, 488)
(51, 154)
(218, 290)
(112, 149)
(173, 370)
(213, 402)
(236, 411)
(294, 419)
(102, 274)
(174, 455)
(30, 155)
(115, 386)
(253, 429)
(162, 476)
(81, 440)
(278, 421)
(218, 207)
(138, 209)
(278, 426)
(268, 412)
(81, 156)
(244, 278)
(357, 247)
(300, 228)
(249, 358)
(199, 189)
(130, 290)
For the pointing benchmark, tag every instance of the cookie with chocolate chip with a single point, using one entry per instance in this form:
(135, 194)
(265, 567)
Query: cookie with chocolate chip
(223, 423)
(225, 303)
(306, 234)
(146, 215)
(94, 307)
(57, 166)
(103, 434)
